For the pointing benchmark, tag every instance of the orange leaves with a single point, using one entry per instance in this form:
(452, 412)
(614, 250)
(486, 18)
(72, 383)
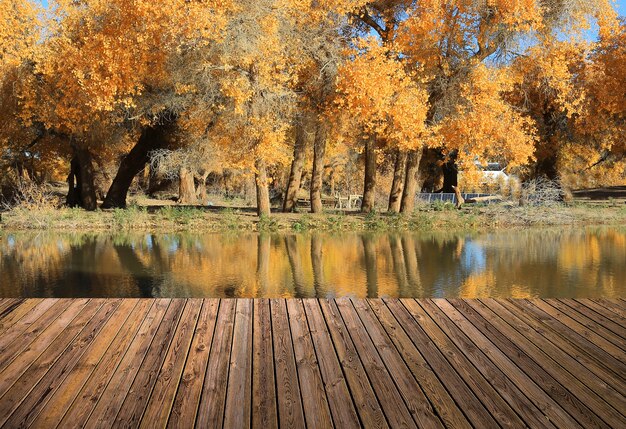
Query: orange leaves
(380, 98)
(486, 126)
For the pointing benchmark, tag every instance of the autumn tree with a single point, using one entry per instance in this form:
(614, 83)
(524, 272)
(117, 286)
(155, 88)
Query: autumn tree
(447, 41)
(110, 64)
(382, 105)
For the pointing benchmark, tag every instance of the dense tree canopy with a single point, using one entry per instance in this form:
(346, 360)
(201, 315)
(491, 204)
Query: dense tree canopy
(98, 88)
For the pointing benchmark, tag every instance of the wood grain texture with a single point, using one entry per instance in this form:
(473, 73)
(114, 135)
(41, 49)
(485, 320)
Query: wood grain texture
(345, 363)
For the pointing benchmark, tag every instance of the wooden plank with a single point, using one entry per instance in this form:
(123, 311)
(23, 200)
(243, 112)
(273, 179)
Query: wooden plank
(417, 402)
(390, 398)
(137, 397)
(17, 339)
(572, 394)
(185, 406)
(264, 408)
(589, 323)
(443, 403)
(482, 387)
(613, 320)
(314, 400)
(471, 406)
(160, 403)
(37, 398)
(581, 330)
(25, 322)
(367, 405)
(7, 305)
(501, 363)
(211, 409)
(25, 307)
(523, 324)
(609, 324)
(237, 412)
(36, 371)
(339, 400)
(133, 332)
(68, 391)
(613, 305)
(20, 359)
(603, 364)
(112, 397)
(290, 412)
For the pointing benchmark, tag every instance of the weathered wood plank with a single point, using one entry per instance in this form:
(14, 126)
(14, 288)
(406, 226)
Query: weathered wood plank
(601, 363)
(185, 408)
(316, 363)
(290, 412)
(471, 406)
(370, 412)
(68, 391)
(264, 405)
(25, 308)
(36, 371)
(480, 384)
(523, 394)
(37, 398)
(581, 330)
(136, 400)
(135, 327)
(314, 400)
(441, 400)
(159, 407)
(613, 305)
(599, 314)
(18, 338)
(609, 324)
(588, 323)
(578, 369)
(540, 366)
(111, 398)
(53, 327)
(339, 399)
(211, 409)
(390, 398)
(409, 388)
(237, 412)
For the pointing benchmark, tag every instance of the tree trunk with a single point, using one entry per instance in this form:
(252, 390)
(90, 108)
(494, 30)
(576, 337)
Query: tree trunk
(369, 186)
(398, 181)
(89, 200)
(186, 187)
(201, 194)
(411, 181)
(81, 184)
(319, 153)
(262, 190)
(73, 184)
(295, 176)
(151, 138)
(450, 176)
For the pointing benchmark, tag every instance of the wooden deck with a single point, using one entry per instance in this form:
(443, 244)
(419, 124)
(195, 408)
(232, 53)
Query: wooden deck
(316, 363)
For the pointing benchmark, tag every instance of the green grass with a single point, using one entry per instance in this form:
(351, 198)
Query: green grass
(438, 216)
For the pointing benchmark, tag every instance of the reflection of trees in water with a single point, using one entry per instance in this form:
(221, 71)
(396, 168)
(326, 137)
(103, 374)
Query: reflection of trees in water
(371, 266)
(295, 263)
(512, 264)
(318, 267)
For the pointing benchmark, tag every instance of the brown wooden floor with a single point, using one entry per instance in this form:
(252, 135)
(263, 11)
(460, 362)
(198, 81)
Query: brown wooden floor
(316, 363)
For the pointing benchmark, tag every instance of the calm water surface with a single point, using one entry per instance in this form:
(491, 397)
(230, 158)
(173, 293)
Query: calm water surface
(519, 264)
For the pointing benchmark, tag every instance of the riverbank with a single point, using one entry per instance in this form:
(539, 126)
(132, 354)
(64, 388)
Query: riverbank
(426, 218)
